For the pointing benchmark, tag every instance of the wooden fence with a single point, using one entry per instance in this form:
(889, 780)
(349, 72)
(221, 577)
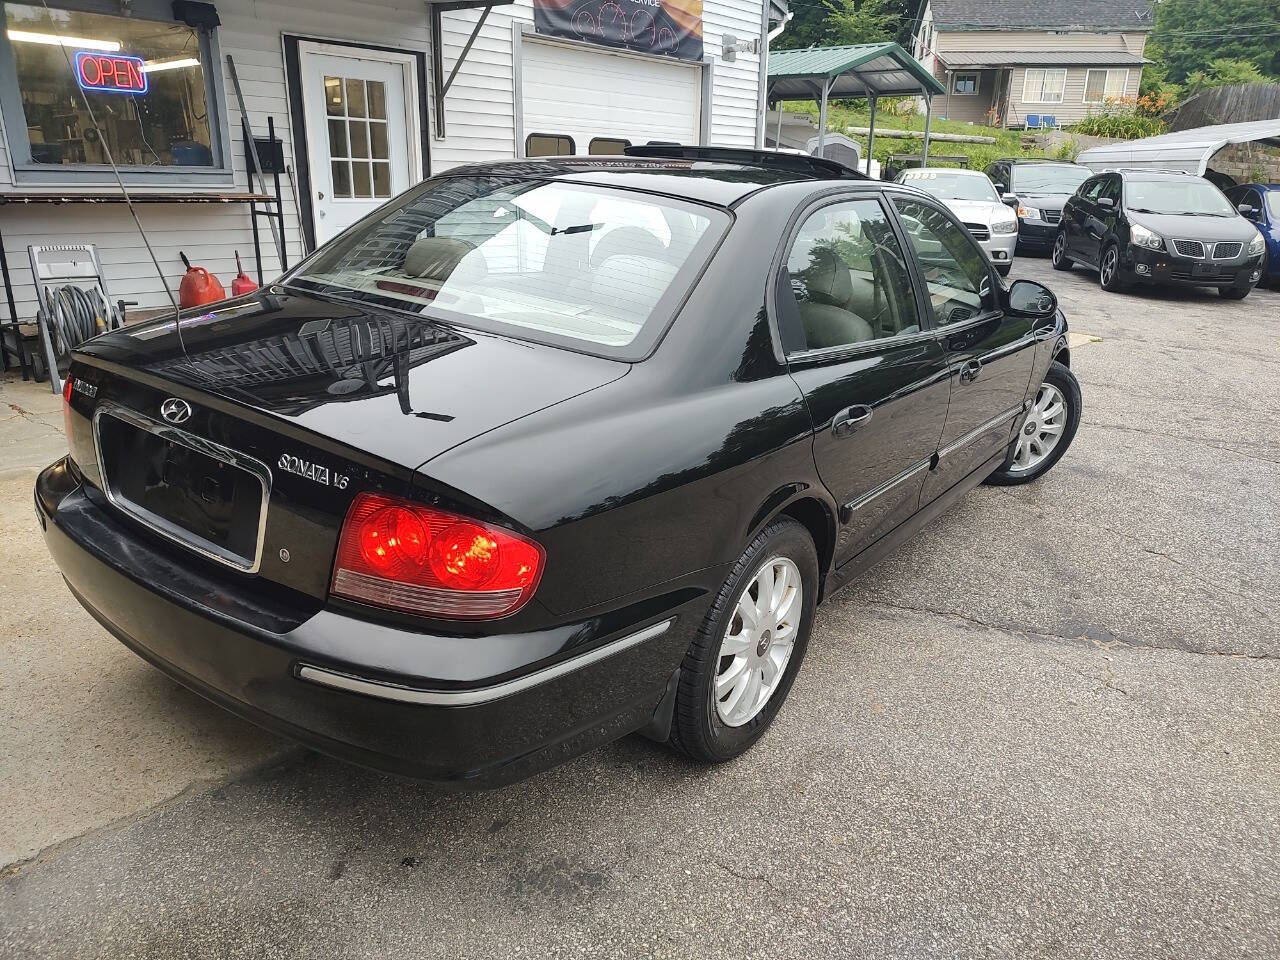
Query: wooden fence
(1232, 104)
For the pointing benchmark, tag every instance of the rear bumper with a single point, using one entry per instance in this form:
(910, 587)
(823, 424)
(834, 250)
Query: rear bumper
(323, 679)
(1159, 267)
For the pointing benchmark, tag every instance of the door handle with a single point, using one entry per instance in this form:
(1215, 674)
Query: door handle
(848, 420)
(1044, 333)
(969, 370)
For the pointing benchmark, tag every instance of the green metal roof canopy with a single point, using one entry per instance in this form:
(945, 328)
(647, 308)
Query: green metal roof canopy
(858, 70)
(870, 70)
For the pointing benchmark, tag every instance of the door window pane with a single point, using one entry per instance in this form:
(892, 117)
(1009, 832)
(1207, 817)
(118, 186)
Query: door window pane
(548, 145)
(378, 148)
(355, 98)
(361, 179)
(377, 99)
(333, 99)
(955, 269)
(144, 80)
(337, 139)
(341, 178)
(381, 179)
(848, 278)
(359, 138)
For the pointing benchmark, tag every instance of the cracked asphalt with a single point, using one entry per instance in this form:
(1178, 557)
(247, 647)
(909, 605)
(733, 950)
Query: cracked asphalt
(1048, 726)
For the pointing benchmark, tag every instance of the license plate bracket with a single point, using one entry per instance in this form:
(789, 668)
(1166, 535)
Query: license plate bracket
(1203, 270)
(200, 494)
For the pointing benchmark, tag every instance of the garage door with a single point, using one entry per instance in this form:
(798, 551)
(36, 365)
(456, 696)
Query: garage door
(572, 97)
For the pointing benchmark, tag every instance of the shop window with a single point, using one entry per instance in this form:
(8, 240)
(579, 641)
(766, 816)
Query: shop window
(607, 146)
(147, 83)
(549, 145)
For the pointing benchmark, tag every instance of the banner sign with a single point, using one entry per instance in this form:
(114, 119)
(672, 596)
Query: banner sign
(111, 72)
(669, 27)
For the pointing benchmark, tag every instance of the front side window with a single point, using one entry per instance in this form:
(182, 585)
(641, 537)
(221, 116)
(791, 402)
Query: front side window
(1101, 85)
(955, 269)
(1044, 86)
(849, 283)
(1273, 204)
(589, 267)
(966, 84)
(145, 81)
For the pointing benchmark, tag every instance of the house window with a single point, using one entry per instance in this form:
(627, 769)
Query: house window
(549, 145)
(607, 146)
(151, 105)
(1044, 86)
(965, 85)
(1101, 85)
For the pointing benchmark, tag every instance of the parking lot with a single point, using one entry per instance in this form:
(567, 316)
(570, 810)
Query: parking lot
(1049, 725)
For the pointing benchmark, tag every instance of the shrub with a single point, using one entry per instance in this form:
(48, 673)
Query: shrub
(1122, 118)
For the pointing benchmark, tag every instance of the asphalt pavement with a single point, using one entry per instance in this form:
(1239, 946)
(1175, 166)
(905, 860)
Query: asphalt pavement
(1048, 726)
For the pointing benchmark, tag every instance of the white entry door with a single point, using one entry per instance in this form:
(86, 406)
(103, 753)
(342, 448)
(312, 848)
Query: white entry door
(361, 110)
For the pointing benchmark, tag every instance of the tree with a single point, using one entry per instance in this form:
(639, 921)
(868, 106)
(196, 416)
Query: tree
(1222, 72)
(858, 21)
(1190, 34)
(828, 22)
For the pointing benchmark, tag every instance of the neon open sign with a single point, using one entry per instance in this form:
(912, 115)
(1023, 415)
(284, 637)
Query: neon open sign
(110, 72)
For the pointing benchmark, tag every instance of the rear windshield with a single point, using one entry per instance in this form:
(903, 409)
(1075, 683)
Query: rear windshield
(588, 267)
(953, 186)
(1193, 198)
(1047, 178)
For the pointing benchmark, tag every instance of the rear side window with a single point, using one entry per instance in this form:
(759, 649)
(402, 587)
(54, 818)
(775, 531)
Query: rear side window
(607, 146)
(849, 282)
(955, 269)
(589, 267)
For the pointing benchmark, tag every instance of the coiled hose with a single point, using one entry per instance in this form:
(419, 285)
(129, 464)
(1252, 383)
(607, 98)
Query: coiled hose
(75, 314)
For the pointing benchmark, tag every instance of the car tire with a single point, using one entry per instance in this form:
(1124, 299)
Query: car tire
(1109, 272)
(1061, 384)
(1234, 293)
(715, 728)
(1059, 255)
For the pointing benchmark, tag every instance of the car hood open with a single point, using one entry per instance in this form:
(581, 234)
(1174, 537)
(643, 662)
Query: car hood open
(400, 387)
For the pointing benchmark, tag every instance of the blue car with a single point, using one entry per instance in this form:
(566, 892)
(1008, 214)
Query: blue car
(1263, 201)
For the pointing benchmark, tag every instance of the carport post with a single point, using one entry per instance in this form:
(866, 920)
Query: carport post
(928, 115)
(871, 132)
(822, 116)
(777, 136)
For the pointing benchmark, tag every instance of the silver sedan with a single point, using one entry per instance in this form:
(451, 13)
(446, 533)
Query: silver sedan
(972, 197)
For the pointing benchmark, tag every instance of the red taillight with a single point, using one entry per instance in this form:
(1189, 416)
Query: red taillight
(66, 407)
(402, 555)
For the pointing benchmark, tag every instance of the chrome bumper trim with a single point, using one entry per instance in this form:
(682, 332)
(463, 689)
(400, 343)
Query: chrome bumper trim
(465, 698)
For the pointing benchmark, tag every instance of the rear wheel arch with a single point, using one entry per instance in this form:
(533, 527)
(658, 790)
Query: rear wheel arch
(798, 502)
(816, 517)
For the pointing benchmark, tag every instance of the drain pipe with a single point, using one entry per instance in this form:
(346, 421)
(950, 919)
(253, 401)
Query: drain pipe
(762, 94)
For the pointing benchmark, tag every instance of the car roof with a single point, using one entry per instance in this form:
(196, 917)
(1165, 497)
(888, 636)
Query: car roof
(1131, 174)
(721, 183)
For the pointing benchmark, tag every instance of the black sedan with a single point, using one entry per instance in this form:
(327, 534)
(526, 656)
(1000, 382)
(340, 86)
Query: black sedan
(1168, 229)
(544, 453)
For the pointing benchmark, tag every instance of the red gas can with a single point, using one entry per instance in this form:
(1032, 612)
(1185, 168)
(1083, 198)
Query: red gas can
(198, 286)
(242, 284)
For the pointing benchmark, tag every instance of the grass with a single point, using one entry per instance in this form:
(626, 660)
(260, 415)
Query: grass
(855, 113)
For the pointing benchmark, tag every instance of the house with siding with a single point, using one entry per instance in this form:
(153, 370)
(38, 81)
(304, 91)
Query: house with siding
(1004, 61)
(367, 98)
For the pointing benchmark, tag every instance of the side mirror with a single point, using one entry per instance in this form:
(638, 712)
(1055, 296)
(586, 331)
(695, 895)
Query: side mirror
(1248, 209)
(1009, 199)
(1031, 299)
(1106, 203)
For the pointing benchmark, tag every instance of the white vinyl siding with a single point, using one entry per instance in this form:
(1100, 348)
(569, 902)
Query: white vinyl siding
(1102, 84)
(1044, 85)
(479, 109)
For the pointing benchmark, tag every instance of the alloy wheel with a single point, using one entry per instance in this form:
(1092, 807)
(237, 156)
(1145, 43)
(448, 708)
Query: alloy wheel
(758, 642)
(1109, 262)
(1042, 429)
(1059, 248)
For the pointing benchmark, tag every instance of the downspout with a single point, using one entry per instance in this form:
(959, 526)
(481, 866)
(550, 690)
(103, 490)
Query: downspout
(766, 37)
